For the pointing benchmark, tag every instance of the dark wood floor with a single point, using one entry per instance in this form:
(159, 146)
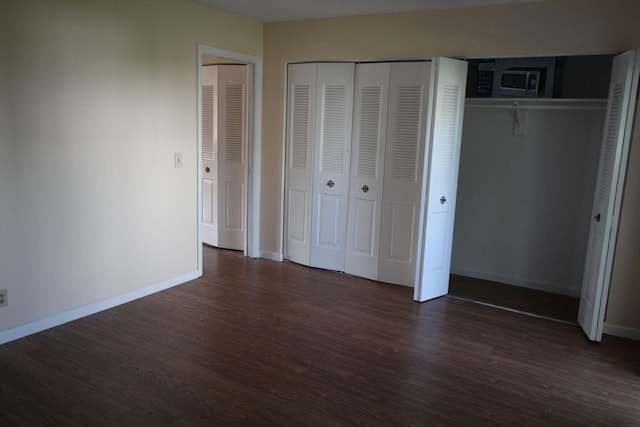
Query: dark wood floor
(256, 342)
(538, 303)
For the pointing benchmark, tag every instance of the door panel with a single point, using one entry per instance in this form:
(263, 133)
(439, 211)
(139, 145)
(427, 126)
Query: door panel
(329, 206)
(334, 91)
(297, 225)
(209, 217)
(232, 146)
(233, 210)
(301, 107)
(402, 233)
(367, 169)
(442, 178)
(209, 149)
(364, 229)
(606, 205)
(406, 134)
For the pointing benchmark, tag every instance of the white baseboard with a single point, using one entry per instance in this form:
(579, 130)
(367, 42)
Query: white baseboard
(273, 256)
(87, 310)
(516, 281)
(621, 331)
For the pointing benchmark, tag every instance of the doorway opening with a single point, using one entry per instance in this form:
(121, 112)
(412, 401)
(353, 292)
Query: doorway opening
(229, 124)
(528, 170)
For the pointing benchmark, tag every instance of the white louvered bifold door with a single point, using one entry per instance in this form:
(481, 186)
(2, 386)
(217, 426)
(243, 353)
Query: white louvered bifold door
(332, 139)
(367, 169)
(209, 154)
(406, 134)
(301, 107)
(606, 203)
(442, 177)
(232, 149)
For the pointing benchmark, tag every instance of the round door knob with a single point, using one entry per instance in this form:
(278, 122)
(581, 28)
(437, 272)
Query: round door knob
(330, 184)
(365, 188)
(207, 170)
(443, 200)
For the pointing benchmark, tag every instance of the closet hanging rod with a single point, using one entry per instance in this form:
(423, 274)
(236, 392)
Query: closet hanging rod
(558, 104)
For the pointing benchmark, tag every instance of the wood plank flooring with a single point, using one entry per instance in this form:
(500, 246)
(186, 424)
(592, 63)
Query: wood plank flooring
(257, 343)
(545, 304)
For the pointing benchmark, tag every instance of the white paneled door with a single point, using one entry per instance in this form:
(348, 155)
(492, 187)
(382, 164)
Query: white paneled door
(356, 203)
(334, 98)
(606, 203)
(319, 111)
(367, 169)
(442, 178)
(301, 107)
(232, 148)
(403, 170)
(209, 156)
(224, 155)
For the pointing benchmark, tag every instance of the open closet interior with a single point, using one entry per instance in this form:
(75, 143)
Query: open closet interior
(531, 141)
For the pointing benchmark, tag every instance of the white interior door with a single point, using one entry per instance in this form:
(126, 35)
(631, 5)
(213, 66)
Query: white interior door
(442, 178)
(406, 135)
(209, 153)
(367, 169)
(334, 92)
(301, 107)
(232, 149)
(607, 199)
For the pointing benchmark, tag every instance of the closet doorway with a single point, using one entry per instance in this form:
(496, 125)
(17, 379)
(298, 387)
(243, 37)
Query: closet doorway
(229, 111)
(529, 166)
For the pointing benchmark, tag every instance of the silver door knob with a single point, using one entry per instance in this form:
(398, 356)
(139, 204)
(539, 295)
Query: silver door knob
(365, 188)
(330, 184)
(443, 200)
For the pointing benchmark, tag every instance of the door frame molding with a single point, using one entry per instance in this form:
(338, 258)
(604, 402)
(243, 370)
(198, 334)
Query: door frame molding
(254, 145)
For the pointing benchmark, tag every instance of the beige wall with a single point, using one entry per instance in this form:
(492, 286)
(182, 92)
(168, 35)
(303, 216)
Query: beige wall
(96, 97)
(624, 298)
(545, 28)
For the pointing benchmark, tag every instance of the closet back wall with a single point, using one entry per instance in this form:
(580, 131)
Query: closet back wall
(524, 202)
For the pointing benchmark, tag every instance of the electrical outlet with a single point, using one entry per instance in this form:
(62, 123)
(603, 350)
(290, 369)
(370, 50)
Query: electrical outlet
(3, 297)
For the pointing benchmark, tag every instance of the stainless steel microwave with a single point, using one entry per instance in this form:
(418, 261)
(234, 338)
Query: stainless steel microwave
(521, 83)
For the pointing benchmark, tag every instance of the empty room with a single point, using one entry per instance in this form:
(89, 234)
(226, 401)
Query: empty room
(121, 303)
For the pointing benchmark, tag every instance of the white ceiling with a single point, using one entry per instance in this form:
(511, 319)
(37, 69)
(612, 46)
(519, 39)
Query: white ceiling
(292, 10)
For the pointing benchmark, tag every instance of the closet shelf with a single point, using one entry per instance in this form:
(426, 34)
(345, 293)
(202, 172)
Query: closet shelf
(537, 103)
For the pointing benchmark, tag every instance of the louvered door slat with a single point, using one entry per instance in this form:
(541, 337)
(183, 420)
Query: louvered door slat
(369, 131)
(444, 152)
(333, 129)
(300, 127)
(407, 132)
(234, 123)
(607, 159)
(208, 111)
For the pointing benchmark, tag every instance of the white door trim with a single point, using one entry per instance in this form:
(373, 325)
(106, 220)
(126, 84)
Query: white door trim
(253, 150)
